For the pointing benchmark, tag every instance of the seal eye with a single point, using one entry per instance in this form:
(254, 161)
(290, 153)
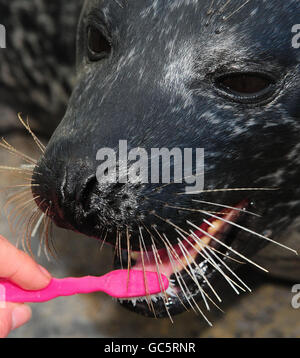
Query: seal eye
(98, 45)
(246, 87)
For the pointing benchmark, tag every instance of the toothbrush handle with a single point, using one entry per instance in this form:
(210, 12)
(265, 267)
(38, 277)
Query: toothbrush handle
(9, 292)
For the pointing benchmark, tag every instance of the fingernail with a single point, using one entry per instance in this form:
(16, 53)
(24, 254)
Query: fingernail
(20, 315)
(45, 272)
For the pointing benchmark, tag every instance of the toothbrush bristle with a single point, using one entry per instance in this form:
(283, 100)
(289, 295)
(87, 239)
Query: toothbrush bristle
(124, 284)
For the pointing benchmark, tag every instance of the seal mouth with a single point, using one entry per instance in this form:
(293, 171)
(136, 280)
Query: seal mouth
(191, 262)
(171, 238)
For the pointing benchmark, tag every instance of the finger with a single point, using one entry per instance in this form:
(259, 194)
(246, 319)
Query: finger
(13, 316)
(21, 314)
(21, 269)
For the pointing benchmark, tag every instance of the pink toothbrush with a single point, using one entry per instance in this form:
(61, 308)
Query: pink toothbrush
(115, 284)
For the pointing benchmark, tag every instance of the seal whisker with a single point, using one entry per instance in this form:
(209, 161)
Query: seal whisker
(15, 211)
(199, 210)
(228, 190)
(18, 186)
(38, 224)
(185, 252)
(208, 258)
(17, 170)
(21, 206)
(18, 221)
(120, 249)
(104, 241)
(149, 232)
(35, 138)
(24, 228)
(29, 228)
(48, 243)
(215, 239)
(116, 252)
(165, 297)
(179, 279)
(148, 297)
(176, 256)
(117, 2)
(211, 10)
(222, 8)
(128, 256)
(45, 238)
(45, 218)
(143, 242)
(227, 207)
(15, 197)
(216, 266)
(236, 11)
(251, 232)
(52, 238)
(209, 213)
(18, 228)
(166, 204)
(16, 152)
(193, 273)
(155, 190)
(227, 247)
(54, 252)
(189, 272)
(170, 250)
(231, 271)
(180, 229)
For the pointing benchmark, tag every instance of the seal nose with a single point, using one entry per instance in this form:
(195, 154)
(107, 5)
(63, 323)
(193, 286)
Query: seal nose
(71, 194)
(78, 201)
(90, 206)
(84, 190)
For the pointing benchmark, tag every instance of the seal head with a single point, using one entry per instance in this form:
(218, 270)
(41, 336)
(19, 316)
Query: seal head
(222, 76)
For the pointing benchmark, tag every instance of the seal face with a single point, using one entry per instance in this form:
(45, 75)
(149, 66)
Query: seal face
(217, 75)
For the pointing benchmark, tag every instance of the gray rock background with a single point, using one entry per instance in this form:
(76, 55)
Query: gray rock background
(37, 67)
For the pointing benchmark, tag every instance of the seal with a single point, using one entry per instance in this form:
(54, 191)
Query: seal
(218, 75)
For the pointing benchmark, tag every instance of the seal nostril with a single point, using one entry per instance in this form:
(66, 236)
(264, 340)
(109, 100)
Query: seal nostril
(83, 196)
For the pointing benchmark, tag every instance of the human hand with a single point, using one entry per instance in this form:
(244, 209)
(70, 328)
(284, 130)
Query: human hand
(22, 270)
